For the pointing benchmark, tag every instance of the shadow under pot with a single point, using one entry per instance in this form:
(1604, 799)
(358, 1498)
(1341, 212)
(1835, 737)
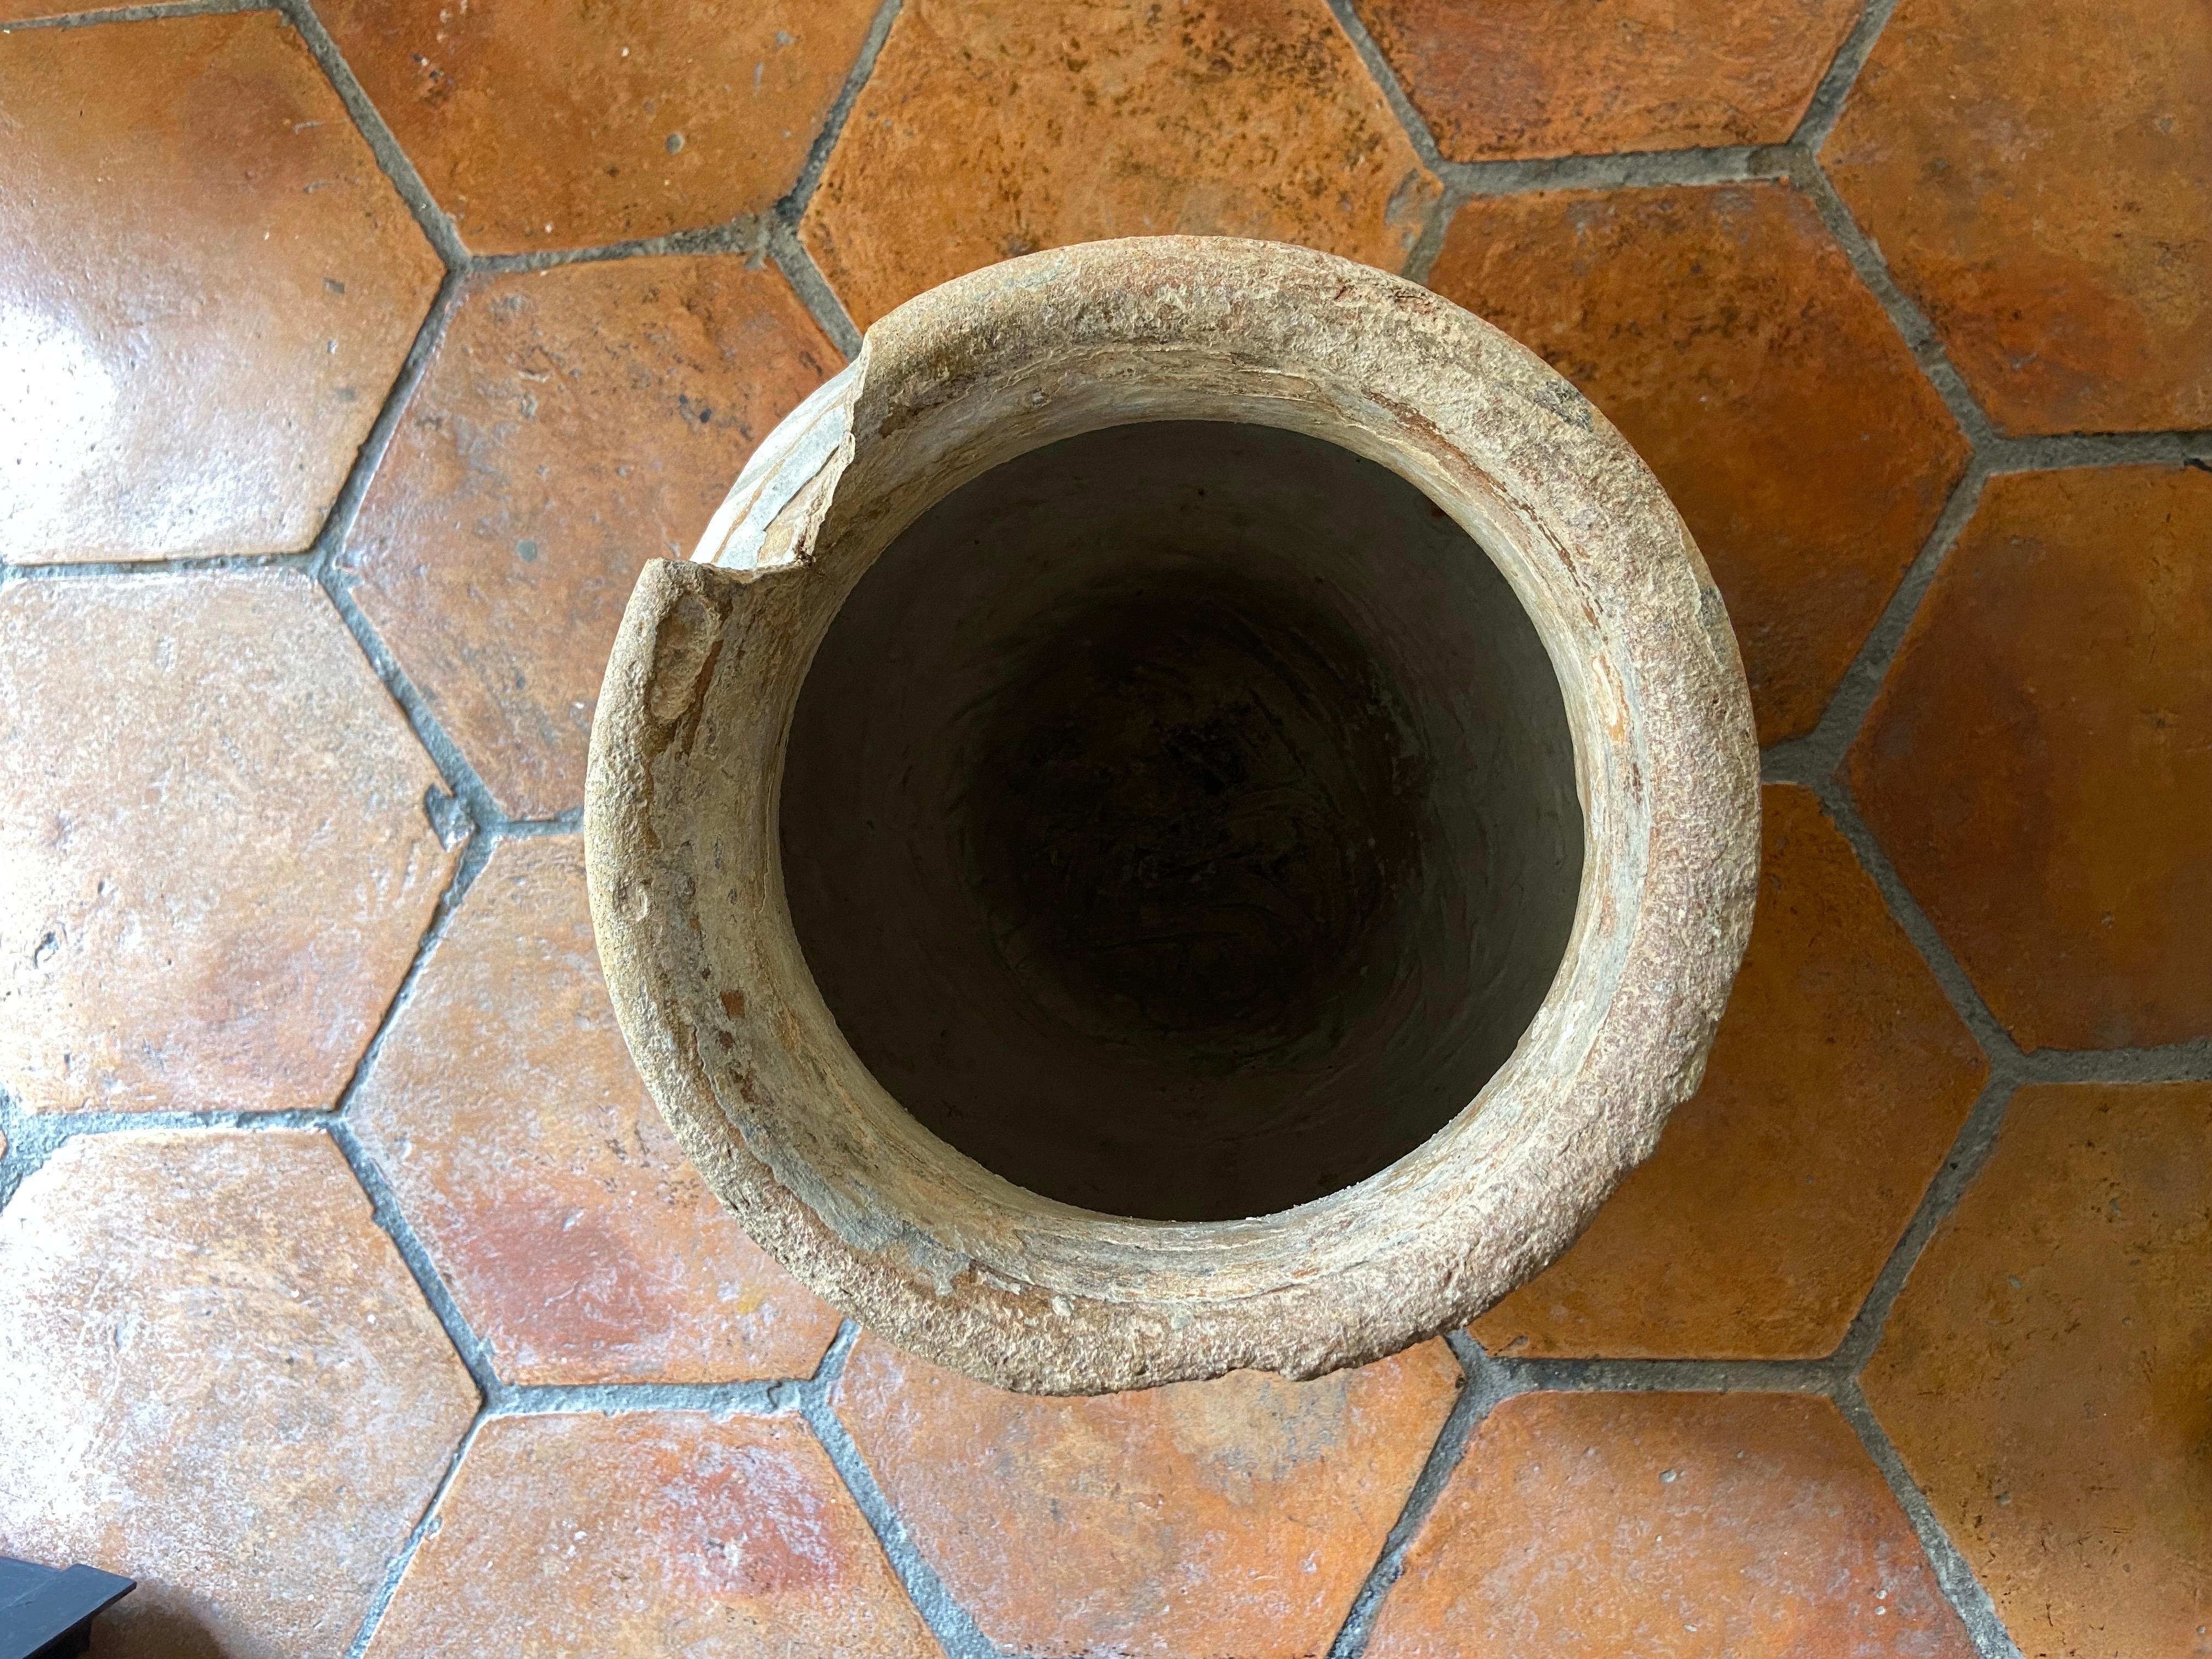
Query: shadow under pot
(1196, 808)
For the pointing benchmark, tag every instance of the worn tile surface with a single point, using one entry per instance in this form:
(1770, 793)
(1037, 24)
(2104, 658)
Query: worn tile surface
(571, 125)
(573, 424)
(653, 1532)
(1565, 77)
(1838, 1082)
(1238, 1516)
(1670, 1526)
(991, 128)
(1723, 331)
(505, 1113)
(209, 290)
(2038, 764)
(2047, 1373)
(2041, 180)
(218, 858)
(220, 1379)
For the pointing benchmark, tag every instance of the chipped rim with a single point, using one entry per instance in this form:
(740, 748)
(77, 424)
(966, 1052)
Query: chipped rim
(898, 1228)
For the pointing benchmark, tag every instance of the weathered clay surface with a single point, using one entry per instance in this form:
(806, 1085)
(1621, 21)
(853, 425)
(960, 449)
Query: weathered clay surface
(831, 1174)
(217, 1375)
(505, 1112)
(231, 856)
(650, 1533)
(1238, 1516)
(2047, 1373)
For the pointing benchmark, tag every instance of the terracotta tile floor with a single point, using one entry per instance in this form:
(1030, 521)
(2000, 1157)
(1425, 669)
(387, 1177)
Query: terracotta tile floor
(352, 355)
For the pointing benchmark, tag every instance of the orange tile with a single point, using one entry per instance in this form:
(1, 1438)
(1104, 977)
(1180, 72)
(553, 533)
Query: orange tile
(1727, 336)
(2047, 1373)
(504, 1110)
(1838, 1082)
(210, 288)
(2039, 762)
(571, 424)
(222, 861)
(991, 128)
(1564, 78)
(1239, 1516)
(220, 1380)
(651, 1533)
(562, 124)
(1669, 1526)
(2039, 179)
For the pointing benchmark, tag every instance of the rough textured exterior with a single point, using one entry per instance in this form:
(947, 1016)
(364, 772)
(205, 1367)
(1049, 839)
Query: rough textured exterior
(826, 1171)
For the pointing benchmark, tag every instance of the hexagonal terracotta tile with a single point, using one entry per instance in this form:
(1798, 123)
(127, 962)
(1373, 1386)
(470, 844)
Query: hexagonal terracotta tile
(1562, 77)
(221, 861)
(2038, 762)
(2047, 1373)
(1727, 337)
(505, 1112)
(219, 1380)
(650, 1533)
(571, 424)
(991, 128)
(1239, 1516)
(1670, 1526)
(209, 286)
(1838, 1082)
(2039, 182)
(565, 125)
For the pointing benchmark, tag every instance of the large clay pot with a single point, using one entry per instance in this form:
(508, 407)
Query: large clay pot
(1196, 808)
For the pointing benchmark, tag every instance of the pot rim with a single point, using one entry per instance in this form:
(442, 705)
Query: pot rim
(892, 1224)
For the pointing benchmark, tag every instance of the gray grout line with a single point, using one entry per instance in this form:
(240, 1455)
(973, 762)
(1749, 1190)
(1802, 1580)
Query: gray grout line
(2092, 449)
(1842, 73)
(426, 1526)
(1663, 1376)
(747, 235)
(77, 20)
(1815, 758)
(436, 225)
(1912, 323)
(1384, 73)
(1954, 1577)
(1482, 1390)
(473, 1350)
(63, 570)
(948, 1621)
(792, 205)
(813, 290)
(1634, 170)
(1970, 1150)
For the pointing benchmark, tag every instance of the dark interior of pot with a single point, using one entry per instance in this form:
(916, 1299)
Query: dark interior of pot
(1180, 820)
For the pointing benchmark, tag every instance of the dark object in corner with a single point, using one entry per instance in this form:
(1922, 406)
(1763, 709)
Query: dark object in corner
(46, 1613)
